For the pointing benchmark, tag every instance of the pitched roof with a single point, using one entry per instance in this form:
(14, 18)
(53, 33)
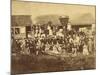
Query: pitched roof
(21, 20)
(44, 19)
(83, 19)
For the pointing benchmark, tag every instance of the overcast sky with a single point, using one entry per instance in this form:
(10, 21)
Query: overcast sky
(35, 9)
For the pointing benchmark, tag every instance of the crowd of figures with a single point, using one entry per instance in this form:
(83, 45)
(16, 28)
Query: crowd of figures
(58, 42)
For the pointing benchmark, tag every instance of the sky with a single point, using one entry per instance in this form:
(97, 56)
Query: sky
(36, 9)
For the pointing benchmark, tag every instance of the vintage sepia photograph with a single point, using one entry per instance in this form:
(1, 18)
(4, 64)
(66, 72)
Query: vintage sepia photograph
(52, 37)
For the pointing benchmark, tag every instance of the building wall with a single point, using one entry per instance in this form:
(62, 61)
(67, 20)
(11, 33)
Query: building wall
(19, 32)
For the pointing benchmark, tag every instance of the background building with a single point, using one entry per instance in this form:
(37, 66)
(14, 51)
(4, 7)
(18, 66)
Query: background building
(20, 26)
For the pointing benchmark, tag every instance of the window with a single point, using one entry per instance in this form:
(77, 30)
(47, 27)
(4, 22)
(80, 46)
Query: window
(17, 30)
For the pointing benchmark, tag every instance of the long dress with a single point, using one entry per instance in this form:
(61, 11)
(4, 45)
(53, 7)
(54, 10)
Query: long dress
(55, 51)
(85, 50)
(90, 45)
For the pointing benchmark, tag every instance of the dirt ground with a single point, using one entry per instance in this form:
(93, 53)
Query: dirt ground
(21, 64)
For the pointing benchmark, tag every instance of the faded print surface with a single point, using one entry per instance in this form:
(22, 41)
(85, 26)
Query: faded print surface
(48, 37)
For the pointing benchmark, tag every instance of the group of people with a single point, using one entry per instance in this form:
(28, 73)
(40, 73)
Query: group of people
(55, 42)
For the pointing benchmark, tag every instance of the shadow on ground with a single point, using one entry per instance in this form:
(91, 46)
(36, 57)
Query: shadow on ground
(21, 64)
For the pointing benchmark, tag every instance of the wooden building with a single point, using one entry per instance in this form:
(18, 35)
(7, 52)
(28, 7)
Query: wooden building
(84, 21)
(20, 26)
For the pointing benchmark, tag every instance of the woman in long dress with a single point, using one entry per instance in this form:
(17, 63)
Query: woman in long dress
(85, 50)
